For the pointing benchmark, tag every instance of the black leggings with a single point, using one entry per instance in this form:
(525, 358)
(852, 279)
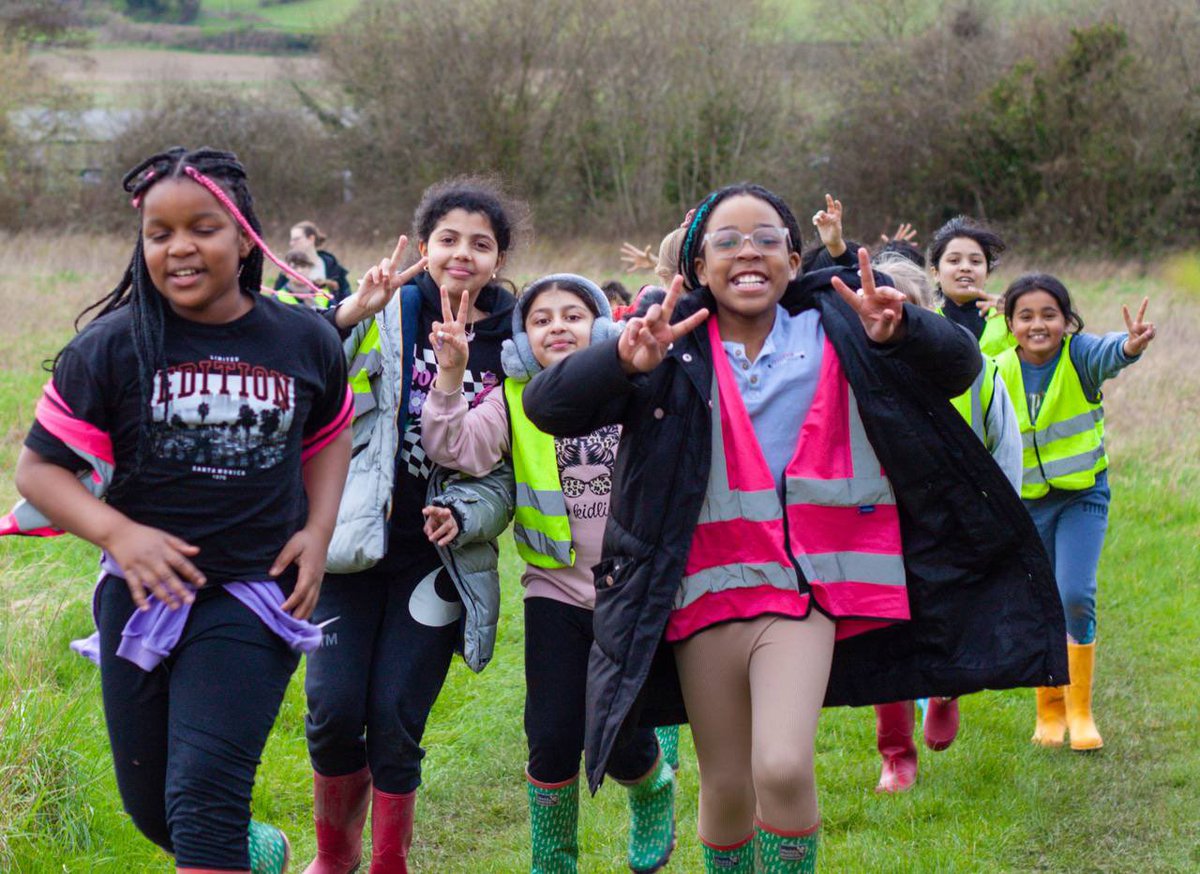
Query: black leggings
(558, 638)
(389, 638)
(187, 736)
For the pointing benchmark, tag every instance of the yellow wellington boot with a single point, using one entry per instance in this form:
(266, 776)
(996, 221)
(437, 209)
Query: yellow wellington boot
(1081, 660)
(1051, 716)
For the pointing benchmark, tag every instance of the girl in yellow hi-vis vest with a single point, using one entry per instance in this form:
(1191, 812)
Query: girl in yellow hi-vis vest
(563, 487)
(1054, 378)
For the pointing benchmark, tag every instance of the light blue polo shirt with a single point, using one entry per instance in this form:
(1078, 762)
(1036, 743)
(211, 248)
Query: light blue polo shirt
(778, 386)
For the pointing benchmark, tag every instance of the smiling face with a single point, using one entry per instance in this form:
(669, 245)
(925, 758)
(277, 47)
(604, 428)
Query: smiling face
(463, 253)
(963, 266)
(1038, 324)
(746, 282)
(558, 323)
(193, 249)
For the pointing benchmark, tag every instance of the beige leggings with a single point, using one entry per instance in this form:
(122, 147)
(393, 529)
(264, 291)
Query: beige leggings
(753, 692)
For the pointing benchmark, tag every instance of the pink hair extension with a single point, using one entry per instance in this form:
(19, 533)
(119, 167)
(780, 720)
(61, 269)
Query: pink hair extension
(219, 194)
(137, 201)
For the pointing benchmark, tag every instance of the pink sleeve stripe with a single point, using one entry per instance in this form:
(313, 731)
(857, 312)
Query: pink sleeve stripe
(10, 525)
(55, 417)
(326, 435)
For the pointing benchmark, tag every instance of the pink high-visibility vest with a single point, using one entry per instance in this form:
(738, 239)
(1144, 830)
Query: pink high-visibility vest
(838, 522)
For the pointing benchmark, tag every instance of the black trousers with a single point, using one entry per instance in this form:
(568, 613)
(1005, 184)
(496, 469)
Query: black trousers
(187, 737)
(558, 638)
(389, 636)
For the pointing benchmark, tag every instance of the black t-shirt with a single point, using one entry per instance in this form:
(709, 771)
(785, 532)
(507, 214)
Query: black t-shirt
(483, 374)
(223, 471)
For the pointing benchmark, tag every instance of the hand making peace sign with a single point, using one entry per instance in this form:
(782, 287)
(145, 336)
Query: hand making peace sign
(645, 340)
(451, 343)
(828, 222)
(1140, 332)
(377, 287)
(880, 309)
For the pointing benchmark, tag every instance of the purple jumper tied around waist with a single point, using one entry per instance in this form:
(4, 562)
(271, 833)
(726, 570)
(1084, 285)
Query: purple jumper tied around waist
(149, 636)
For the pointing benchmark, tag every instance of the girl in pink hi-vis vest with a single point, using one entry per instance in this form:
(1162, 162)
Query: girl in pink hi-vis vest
(794, 488)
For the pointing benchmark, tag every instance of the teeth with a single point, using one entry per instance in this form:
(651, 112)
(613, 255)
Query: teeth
(188, 272)
(749, 279)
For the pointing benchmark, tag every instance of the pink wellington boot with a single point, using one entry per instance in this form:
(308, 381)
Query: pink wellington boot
(941, 723)
(894, 736)
(391, 831)
(339, 814)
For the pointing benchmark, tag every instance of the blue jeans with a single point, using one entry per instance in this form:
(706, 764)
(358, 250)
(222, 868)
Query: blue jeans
(1072, 526)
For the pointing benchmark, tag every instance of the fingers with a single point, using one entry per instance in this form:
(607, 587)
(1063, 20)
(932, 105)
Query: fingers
(291, 550)
(686, 326)
(303, 599)
(668, 304)
(849, 295)
(447, 312)
(185, 567)
(398, 252)
(136, 591)
(405, 276)
(864, 267)
(464, 307)
(1141, 316)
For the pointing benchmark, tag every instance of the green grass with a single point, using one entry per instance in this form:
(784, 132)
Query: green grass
(301, 16)
(991, 803)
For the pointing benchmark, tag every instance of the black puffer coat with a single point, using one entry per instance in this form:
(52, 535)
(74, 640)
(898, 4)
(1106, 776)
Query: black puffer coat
(985, 608)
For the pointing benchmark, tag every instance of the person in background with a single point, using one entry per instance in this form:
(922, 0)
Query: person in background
(306, 237)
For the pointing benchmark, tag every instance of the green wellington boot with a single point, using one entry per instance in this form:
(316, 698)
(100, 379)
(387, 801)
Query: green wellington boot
(732, 859)
(270, 851)
(786, 852)
(668, 742)
(554, 826)
(652, 818)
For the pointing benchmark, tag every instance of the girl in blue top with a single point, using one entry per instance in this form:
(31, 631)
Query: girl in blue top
(1054, 377)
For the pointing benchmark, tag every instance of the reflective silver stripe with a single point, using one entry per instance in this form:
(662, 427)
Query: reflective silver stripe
(858, 567)
(977, 422)
(734, 576)
(559, 550)
(1071, 427)
(857, 492)
(363, 403)
(548, 502)
(1073, 464)
(371, 361)
(1032, 476)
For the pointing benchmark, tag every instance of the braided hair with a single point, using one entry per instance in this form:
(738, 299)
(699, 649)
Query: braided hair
(693, 240)
(223, 175)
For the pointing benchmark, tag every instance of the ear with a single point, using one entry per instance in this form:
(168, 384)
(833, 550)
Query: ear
(500, 259)
(701, 271)
(245, 245)
(793, 265)
(423, 248)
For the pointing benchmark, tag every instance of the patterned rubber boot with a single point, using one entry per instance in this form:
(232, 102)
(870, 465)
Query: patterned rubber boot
(781, 852)
(668, 742)
(894, 738)
(554, 826)
(1081, 661)
(732, 859)
(652, 818)
(339, 814)
(941, 723)
(270, 851)
(1051, 716)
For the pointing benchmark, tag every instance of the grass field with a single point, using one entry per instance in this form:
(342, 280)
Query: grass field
(990, 803)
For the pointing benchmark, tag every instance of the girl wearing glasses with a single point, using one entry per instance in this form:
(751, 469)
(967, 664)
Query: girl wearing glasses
(792, 473)
(563, 487)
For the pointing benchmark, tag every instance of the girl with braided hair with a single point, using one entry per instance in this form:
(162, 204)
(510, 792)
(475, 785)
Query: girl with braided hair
(784, 481)
(216, 419)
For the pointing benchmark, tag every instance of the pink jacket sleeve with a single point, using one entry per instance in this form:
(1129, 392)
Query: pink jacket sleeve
(472, 441)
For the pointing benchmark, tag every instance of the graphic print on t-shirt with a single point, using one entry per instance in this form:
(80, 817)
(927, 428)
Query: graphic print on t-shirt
(475, 387)
(223, 416)
(585, 466)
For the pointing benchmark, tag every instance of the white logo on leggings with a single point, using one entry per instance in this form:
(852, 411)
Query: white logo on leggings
(428, 607)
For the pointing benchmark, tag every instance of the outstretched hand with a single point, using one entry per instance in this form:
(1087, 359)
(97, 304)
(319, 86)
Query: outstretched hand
(828, 222)
(879, 308)
(645, 341)
(1141, 332)
(440, 525)
(378, 285)
(636, 259)
(905, 233)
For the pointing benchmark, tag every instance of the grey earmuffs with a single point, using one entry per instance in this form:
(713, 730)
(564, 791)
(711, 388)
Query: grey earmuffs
(516, 355)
